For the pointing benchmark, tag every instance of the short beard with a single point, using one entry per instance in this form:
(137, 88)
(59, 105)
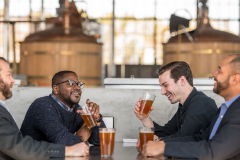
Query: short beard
(221, 86)
(5, 89)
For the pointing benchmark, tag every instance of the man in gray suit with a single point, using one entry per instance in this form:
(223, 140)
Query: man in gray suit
(12, 143)
(220, 140)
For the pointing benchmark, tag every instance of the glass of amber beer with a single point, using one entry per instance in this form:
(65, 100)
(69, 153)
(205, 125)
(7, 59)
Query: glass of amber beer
(146, 103)
(107, 138)
(145, 134)
(88, 117)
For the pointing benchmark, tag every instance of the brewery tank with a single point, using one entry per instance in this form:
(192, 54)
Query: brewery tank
(63, 47)
(207, 49)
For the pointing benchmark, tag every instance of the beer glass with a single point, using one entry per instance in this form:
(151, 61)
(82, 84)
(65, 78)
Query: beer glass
(146, 103)
(107, 137)
(145, 134)
(88, 117)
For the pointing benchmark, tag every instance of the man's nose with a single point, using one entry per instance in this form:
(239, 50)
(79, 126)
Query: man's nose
(163, 91)
(215, 74)
(13, 81)
(77, 87)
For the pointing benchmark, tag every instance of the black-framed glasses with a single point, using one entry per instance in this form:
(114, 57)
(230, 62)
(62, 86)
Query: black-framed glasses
(73, 83)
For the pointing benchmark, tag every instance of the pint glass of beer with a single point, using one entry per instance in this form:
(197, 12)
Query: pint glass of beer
(146, 103)
(107, 137)
(145, 134)
(88, 117)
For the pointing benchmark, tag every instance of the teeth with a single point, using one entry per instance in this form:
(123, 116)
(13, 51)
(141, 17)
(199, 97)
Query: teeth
(168, 96)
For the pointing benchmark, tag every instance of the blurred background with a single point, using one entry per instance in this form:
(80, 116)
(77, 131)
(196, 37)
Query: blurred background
(115, 38)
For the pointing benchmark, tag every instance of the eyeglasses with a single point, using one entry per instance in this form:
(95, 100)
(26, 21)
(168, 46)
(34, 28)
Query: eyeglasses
(73, 83)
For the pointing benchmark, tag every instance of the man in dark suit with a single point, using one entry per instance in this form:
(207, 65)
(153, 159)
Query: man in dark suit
(12, 143)
(221, 139)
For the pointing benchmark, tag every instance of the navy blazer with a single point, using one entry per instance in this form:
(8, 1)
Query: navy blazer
(224, 145)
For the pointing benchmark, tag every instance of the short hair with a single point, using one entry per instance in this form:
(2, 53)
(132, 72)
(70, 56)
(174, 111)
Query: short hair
(57, 78)
(235, 64)
(178, 69)
(3, 59)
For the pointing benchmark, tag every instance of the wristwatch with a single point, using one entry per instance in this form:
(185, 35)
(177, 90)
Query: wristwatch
(100, 118)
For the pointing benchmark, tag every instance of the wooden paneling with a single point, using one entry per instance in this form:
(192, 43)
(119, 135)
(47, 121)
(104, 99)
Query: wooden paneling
(203, 57)
(40, 61)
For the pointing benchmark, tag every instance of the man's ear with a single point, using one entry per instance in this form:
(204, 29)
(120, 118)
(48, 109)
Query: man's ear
(236, 79)
(55, 89)
(182, 80)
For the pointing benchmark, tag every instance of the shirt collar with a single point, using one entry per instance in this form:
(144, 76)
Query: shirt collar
(62, 104)
(2, 103)
(229, 102)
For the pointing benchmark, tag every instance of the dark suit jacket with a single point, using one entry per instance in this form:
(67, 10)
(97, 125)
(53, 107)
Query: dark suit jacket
(224, 145)
(14, 145)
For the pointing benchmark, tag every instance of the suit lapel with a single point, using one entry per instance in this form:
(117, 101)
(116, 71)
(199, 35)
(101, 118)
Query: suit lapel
(7, 113)
(214, 119)
(229, 111)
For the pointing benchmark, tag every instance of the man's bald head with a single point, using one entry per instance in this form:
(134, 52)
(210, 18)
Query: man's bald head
(234, 64)
(2, 60)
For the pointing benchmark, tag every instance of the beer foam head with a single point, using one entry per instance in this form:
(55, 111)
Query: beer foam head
(146, 130)
(107, 130)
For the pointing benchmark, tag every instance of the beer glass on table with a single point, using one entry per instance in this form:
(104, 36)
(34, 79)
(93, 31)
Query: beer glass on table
(88, 117)
(107, 138)
(146, 103)
(145, 135)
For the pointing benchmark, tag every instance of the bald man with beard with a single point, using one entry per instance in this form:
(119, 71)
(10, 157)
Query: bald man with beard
(220, 140)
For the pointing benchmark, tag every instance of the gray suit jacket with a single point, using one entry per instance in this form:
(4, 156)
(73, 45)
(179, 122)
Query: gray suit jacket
(224, 145)
(14, 145)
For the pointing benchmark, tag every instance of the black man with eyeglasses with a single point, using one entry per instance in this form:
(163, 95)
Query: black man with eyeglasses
(55, 118)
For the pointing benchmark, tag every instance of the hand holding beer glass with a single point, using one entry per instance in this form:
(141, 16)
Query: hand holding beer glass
(107, 138)
(87, 116)
(144, 105)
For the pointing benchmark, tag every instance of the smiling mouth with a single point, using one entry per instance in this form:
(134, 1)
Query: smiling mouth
(76, 94)
(168, 96)
(215, 80)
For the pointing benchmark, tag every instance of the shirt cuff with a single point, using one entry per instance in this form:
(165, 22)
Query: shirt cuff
(56, 151)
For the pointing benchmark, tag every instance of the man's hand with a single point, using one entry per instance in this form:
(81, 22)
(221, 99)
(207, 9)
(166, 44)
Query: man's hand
(94, 109)
(137, 108)
(153, 148)
(80, 149)
(138, 146)
(84, 132)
